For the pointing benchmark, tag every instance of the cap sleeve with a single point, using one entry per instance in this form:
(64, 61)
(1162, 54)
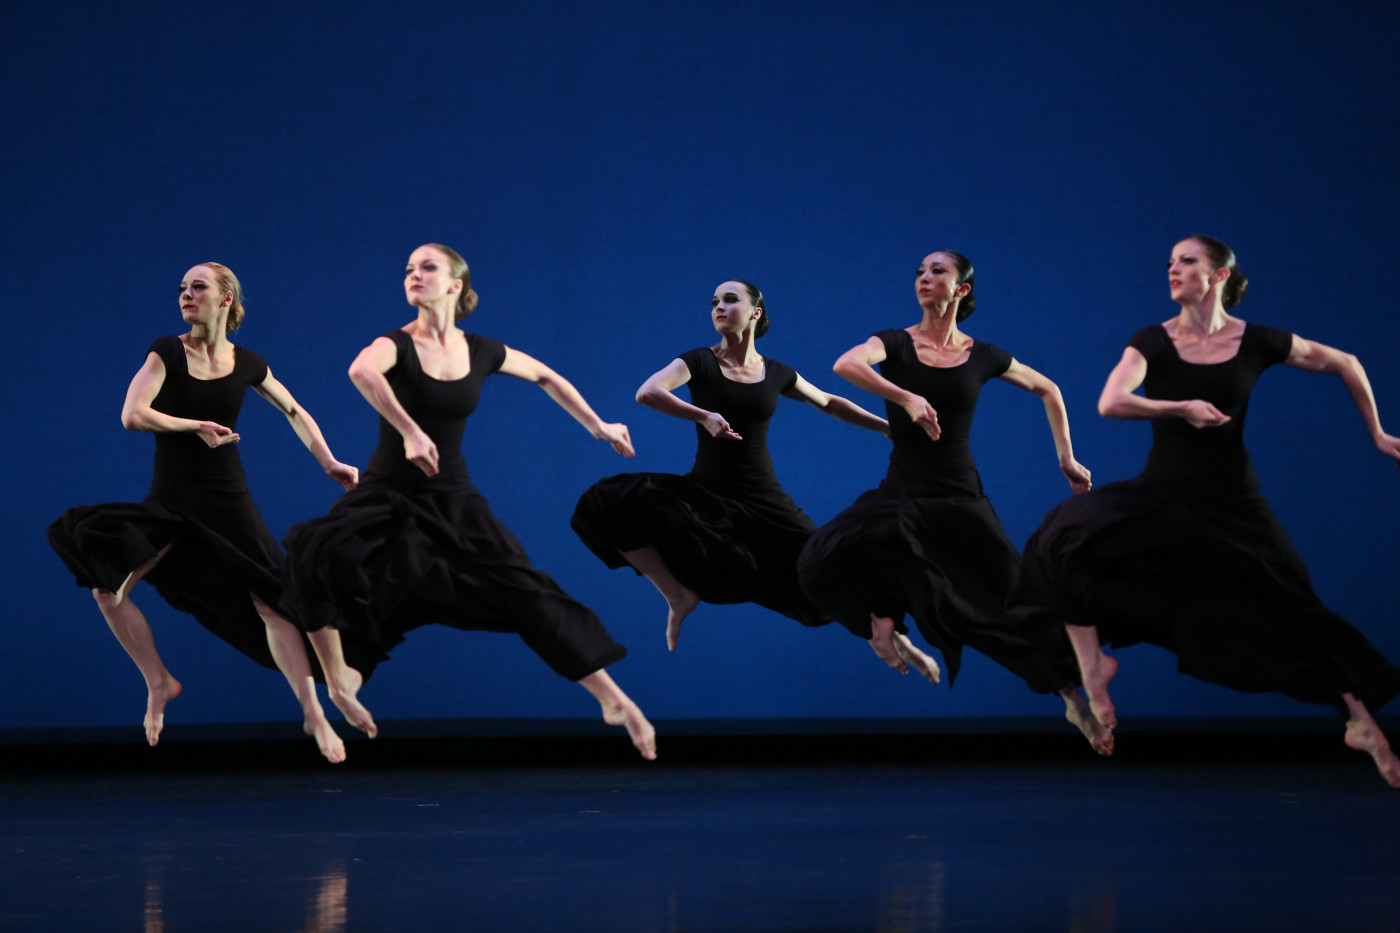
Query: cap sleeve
(895, 341)
(1149, 341)
(694, 361)
(785, 375)
(1274, 345)
(170, 351)
(487, 354)
(998, 360)
(253, 365)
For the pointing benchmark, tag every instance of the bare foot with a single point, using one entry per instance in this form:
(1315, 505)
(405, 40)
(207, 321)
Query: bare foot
(1080, 716)
(916, 659)
(344, 696)
(677, 608)
(638, 729)
(1368, 738)
(1101, 669)
(156, 698)
(882, 643)
(330, 744)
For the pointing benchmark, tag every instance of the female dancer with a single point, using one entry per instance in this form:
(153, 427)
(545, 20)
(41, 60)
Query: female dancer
(926, 541)
(416, 543)
(725, 532)
(198, 536)
(1245, 616)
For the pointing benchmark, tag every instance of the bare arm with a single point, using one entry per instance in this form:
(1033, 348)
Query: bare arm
(138, 415)
(659, 392)
(1118, 399)
(857, 366)
(568, 398)
(306, 428)
(1320, 358)
(837, 407)
(367, 372)
(1023, 377)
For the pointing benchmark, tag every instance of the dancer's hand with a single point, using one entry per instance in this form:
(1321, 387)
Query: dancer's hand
(714, 423)
(344, 474)
(1390, 446)
(215, 435)
(616, 434)
(922, 414)
(419, 450)
(1078, 476)
(1202, 414)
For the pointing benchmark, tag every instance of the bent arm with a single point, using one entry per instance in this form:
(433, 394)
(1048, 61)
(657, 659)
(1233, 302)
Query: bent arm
(138, 415)
(857, 366)
(367, 373)
(1023, 377)
(1118, 399)
(838, 407)
(307, 430)
(1320, 358)
(659, 393)
(526, 367)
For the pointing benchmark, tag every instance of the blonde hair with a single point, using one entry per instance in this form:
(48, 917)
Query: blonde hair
(457, 268)
(228, 282)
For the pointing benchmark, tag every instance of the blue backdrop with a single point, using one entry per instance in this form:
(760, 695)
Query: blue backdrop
(603, 166)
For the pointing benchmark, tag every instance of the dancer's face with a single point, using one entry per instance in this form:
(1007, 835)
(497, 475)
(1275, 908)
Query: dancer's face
(937, 281)
(428, 277)
(732, 310)
(201, 301)
(1190, 273)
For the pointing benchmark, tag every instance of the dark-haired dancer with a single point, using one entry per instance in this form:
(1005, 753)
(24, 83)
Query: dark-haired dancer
(725, 532)
(198, 537)
(416, 543)
(1188, 555)
(926, 541)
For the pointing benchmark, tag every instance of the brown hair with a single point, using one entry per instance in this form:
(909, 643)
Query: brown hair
(756, 297)
(228, 282)
(1222, 257)
(457, 268)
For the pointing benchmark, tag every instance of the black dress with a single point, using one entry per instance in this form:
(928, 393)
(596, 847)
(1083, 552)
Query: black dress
(726, 530)
(926, 542)
(1189, 556)
(404, 549)
(199, 503)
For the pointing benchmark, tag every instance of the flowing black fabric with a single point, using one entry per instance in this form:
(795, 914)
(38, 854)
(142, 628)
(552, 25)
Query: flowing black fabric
(927, 542)
(199, 505)
(1190, 557)
(726, 530)
(404, 550)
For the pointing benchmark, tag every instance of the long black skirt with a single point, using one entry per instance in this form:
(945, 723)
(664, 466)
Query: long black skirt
(1212, 578)
(391, 557)
(220, 552)
(724, 547)
(945, 561)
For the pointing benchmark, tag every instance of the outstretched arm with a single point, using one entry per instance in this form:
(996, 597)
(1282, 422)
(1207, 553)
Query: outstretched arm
(857, 366)
(367, 372)
(1320, 358)
(837, 407)
(138, 415)
(1023, 377)
(568, 398)
(1119, 401)
(306, 428)
(659, 392)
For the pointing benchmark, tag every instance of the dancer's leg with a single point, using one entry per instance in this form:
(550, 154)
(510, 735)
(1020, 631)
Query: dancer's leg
(134, 633)
(342, 681)
(1079, 714)
(679, 600)
(1364, 735)
(1096, 669)
(915, 658)
(290, 654)
(619, 710)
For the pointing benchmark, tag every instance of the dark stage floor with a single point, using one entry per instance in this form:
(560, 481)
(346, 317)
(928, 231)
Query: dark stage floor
(818, 833)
